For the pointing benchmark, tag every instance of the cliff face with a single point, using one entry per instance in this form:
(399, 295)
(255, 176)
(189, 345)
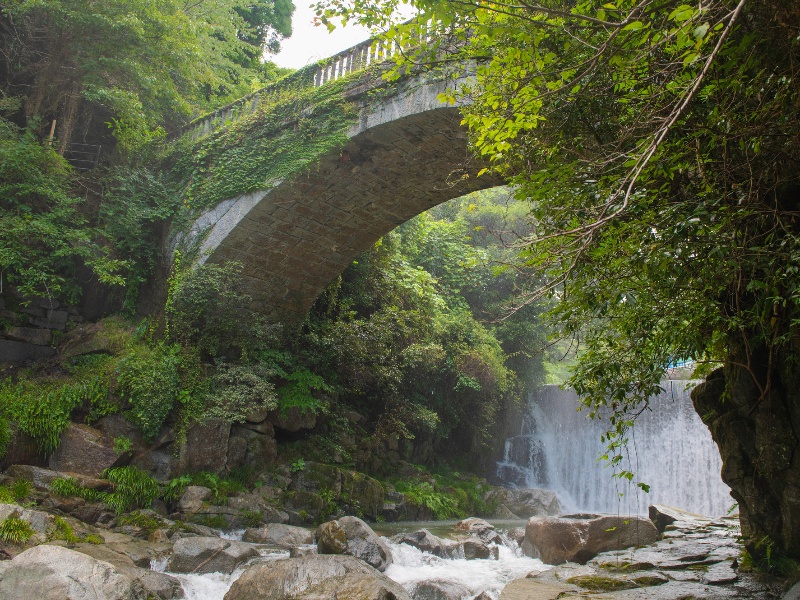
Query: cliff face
(756, 427)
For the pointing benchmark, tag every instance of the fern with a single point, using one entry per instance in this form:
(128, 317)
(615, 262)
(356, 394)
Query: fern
(14, 530)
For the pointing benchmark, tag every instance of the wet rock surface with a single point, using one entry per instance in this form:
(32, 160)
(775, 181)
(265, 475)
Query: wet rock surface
(209, 555)
(697, 558)
(319, 576)
(352, 536)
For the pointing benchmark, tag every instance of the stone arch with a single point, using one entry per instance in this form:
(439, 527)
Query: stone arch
(407, 153)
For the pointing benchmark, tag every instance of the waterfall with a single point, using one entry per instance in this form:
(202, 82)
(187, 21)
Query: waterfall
(670, 449)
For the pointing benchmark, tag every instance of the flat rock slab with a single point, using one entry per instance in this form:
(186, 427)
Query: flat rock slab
(662, 516)
(54, 573)
(277, 534)
(530, 589)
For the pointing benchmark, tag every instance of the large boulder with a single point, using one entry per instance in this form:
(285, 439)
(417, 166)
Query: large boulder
(524, 503)
(30, 335)
(321, 577)
(359, 541)
(54, 573)
(578, 538)
(209, 555)
(347, 486)
(471, 549)
(277, 534)
(423, 540)
(21, 352)
(206, 447)
(439, 589)
(136, 566)
(250, 447)
(293, 419)
(87, 451)
(193, 499)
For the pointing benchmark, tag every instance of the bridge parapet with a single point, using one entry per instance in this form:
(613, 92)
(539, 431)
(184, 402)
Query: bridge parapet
(373, 52)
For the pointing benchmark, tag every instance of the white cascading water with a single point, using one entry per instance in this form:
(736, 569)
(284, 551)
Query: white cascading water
(670, 449)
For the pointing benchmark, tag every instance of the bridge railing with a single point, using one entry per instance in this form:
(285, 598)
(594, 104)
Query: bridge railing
(373, 51)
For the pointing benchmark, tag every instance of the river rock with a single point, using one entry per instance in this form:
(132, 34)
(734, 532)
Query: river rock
(423, 540)
(321, 577)
(482, 529)
(793, 593)
(526, 502)
(54, 573)
(578, 538)
(154, 584)
(439, 589)
(158, 585)
(87, 451)
(331, 538)
(352, 536)
(277, 534)
(209, 555)
(193, 498)
(471, 549)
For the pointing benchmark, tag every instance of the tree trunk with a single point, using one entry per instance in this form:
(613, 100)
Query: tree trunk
(753, 412)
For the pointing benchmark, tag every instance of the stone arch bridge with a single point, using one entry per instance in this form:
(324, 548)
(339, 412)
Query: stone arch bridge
(405, 153)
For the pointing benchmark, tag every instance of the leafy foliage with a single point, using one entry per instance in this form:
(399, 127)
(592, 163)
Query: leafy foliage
(294, 125)
(138, 65)
(237, 390)
(651, 140)
(422, 493)
(149, 381)
(62, 530)
(14, 530)
(45, 235)
(68, 487)
(133, 488)
(43, 410)
(205, 308)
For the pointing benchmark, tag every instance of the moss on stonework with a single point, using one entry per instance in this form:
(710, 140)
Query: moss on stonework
(291, 128)
(598, 583)
(649, 580)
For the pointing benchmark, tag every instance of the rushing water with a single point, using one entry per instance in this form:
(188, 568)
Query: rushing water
(670, 449)
(410, 566)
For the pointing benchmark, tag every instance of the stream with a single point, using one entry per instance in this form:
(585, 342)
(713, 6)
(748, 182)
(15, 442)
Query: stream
(410, 565)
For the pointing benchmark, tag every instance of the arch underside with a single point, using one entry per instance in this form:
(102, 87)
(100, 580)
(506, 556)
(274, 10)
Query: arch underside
(298, 237)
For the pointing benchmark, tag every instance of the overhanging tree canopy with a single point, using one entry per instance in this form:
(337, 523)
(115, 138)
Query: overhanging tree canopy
(657, 142)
